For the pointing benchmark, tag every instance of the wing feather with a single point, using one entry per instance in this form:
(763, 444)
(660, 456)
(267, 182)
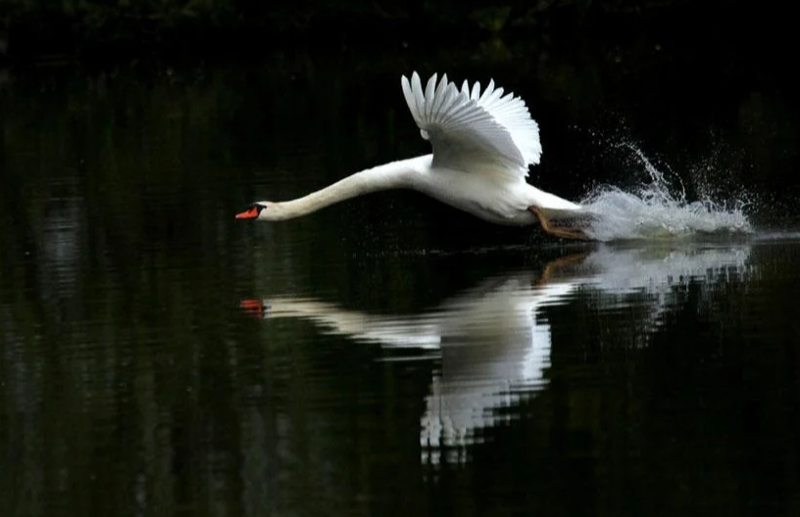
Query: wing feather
(440, 97)
(472, 129)
(430, 91)
(476, 91)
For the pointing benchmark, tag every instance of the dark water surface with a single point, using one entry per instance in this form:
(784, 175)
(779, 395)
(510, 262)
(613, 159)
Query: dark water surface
(388, 356)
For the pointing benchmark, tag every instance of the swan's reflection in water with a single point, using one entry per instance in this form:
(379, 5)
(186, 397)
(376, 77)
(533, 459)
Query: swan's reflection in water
(494, 340)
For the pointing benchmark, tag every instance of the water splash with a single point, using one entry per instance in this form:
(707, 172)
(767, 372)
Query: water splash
(656, 210)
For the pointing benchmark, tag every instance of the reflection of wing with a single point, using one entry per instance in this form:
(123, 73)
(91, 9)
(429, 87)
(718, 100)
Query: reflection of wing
(496, 352)
(490, 338)
(494, 340)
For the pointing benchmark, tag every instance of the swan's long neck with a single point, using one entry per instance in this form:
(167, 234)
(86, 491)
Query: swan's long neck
(383, 177)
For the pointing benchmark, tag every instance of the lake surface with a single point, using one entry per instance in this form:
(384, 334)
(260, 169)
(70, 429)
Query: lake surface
(388, 356)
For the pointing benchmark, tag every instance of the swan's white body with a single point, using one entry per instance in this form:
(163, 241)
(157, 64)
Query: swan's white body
(483, 143)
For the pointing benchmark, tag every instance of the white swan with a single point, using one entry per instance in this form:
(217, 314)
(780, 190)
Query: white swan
(482, 144)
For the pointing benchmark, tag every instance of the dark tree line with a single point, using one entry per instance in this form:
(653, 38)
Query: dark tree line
(35, 29)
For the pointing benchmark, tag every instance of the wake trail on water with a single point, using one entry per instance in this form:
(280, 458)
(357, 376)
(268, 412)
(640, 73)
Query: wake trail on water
(656, 210)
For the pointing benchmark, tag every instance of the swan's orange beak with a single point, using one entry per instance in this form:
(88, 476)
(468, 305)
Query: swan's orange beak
(253, 307)
(250, 213)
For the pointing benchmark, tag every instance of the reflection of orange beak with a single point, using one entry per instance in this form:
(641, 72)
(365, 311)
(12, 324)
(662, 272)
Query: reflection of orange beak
(253, 307)
(252, 213)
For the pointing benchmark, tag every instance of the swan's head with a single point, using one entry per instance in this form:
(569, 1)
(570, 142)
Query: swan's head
(261, 211)
(256, 307)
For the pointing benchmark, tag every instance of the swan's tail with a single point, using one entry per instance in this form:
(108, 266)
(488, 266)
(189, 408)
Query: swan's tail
(555, 207)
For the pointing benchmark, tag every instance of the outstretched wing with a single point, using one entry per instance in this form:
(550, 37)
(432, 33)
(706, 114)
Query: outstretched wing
(472, 130)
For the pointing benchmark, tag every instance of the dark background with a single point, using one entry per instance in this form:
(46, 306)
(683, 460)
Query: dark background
(686, 80)
(131, 382)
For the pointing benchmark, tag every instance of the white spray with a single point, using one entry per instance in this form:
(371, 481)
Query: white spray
(654, 212)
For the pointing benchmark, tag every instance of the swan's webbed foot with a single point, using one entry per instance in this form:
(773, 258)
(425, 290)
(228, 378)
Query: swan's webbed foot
(564, 233)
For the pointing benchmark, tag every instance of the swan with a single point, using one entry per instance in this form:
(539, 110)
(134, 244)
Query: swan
(483, 143)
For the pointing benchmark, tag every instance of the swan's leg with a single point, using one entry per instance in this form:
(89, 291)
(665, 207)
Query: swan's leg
(558, 232)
